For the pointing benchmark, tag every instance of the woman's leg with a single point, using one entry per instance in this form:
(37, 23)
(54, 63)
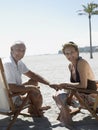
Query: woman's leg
(64, 116)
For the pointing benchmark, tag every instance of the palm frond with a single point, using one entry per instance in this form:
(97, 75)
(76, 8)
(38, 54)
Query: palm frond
(89, 9)
(95, 12)
(79, 10)
(95, 5)
(81, 13)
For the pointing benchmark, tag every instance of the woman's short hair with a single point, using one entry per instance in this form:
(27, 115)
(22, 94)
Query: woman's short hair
(70, 44)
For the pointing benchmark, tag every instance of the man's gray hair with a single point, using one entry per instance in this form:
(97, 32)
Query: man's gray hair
(17, 43)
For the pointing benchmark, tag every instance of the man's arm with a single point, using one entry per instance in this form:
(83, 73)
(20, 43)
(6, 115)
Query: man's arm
(19, 88)
(36, 77)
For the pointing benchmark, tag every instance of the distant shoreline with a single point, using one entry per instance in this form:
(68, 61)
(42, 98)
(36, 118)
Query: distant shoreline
(84, 49)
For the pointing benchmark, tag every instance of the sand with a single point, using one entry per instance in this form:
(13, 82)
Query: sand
(55, 73)
(81, 121)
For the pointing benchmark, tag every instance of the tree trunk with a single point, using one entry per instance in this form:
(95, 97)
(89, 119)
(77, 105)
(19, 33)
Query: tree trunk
(91, 55)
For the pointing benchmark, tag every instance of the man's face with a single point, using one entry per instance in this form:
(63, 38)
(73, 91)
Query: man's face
(18, 52)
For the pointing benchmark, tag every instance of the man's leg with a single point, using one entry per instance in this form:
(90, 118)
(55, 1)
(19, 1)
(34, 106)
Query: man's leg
(36, 99)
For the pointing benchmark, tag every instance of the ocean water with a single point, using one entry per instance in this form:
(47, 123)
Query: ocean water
(55, 69)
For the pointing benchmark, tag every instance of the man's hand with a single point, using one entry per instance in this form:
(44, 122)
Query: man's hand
(55, 86)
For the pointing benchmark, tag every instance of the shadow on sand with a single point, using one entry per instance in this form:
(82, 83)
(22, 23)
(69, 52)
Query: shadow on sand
(27, 124)
(87, 123)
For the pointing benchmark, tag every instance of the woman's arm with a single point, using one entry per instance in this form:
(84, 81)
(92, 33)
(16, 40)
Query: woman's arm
(82, 68)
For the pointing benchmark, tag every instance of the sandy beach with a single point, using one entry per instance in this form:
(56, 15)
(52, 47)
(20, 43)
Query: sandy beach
(81, 121)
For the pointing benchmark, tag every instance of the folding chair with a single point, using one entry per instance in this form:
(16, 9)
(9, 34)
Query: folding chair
(85, 105)
(7, 106)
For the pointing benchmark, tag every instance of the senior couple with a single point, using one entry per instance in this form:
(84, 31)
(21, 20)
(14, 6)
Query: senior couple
(81, 76)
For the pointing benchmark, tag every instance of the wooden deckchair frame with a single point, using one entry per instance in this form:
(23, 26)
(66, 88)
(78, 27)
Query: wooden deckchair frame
(14, 112)
(76, 92)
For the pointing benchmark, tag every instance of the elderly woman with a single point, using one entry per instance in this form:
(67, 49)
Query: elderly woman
(81, 76)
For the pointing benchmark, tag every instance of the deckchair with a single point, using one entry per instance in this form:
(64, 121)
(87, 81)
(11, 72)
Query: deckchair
(76, 92)
(7, 106)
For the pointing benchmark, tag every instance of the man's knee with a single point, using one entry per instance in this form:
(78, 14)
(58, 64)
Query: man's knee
(32, 82)
(35, 93)
(36, 98)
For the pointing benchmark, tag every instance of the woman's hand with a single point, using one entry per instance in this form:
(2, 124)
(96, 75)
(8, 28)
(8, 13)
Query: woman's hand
(55, 86)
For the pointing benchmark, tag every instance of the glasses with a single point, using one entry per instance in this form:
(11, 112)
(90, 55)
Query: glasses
(20, 50)
(69, 53)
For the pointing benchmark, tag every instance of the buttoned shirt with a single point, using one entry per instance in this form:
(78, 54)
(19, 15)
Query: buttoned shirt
(14, 71)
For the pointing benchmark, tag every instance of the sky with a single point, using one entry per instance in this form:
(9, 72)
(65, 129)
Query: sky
(44, 25)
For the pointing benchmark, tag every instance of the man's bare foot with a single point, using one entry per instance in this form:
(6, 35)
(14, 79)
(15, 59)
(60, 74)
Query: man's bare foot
(36, 113)
(45, 108)
(74, 111)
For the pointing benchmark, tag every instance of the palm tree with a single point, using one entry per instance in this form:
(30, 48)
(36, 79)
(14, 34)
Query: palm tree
(89, 10)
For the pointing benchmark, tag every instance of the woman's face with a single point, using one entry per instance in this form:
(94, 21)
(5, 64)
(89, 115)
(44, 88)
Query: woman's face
(71, 54)
(18, 52)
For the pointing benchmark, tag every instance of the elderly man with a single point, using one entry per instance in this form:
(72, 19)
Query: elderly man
(14, 68)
